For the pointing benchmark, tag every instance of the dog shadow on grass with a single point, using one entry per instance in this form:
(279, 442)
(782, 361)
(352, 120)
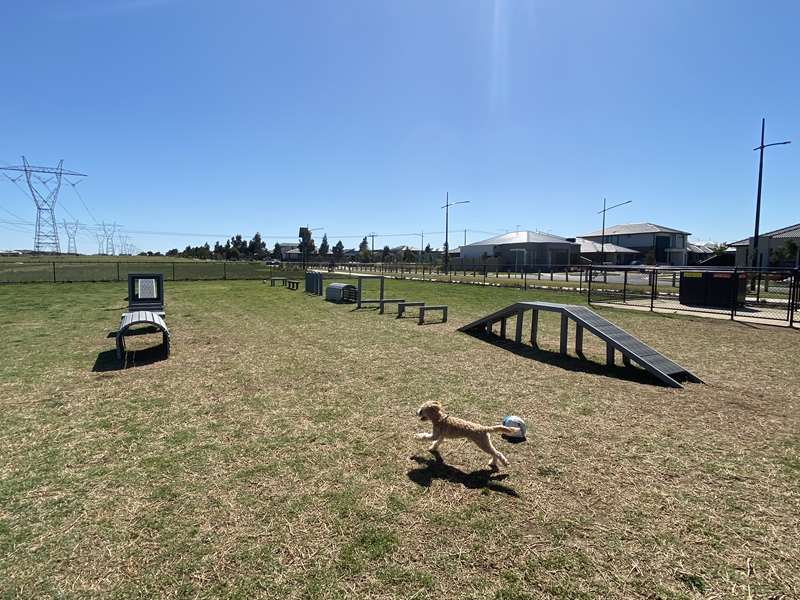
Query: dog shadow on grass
(436, 468)
(570, 363)
(108, 361)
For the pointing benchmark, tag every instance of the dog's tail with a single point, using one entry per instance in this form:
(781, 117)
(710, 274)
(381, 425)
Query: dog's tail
(500, 429)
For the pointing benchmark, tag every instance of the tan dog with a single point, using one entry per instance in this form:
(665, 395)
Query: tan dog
(445, 426)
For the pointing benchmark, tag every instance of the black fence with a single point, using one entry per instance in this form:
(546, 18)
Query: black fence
(63, 271)
(743, 294)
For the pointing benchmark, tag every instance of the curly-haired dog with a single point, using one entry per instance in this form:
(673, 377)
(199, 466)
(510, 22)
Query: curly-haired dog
(445, 426)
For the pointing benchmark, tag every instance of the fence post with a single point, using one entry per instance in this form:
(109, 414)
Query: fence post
(173, 271)
(589, 292)
(794, 296)
(653, 284)
(224, 269)
(484, 274)
(525, 280)
(117, 270)
(625, 286)
(580, 280)
(735, 293)
(54, 272)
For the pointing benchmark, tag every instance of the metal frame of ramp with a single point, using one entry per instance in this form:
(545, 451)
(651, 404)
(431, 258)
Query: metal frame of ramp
(616, 339)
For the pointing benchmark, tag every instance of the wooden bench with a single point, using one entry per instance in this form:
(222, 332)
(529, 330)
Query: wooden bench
(273, 280)
(292, 284)
(401, 307)
(423, 309)
(153, 324)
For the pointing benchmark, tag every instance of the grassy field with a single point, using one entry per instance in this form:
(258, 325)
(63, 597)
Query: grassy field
(272, 455)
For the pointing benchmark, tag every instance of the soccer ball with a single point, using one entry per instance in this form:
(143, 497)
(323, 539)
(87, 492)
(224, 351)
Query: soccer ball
(515, 423)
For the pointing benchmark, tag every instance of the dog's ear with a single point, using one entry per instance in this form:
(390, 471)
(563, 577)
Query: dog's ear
(435, 406)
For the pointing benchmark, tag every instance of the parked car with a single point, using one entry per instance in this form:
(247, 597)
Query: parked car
(272, 262)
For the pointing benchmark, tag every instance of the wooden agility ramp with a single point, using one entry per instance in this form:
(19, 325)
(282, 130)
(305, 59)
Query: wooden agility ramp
(616, 339)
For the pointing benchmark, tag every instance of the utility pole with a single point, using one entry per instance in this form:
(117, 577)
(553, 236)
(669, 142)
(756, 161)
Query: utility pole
(603, 242)
(44, 197)
(372, 251)
(760, 148)
(446, 208)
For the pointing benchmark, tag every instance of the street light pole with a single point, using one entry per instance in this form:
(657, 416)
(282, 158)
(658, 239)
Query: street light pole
(760, 148)
(603, 239)
(446, 208)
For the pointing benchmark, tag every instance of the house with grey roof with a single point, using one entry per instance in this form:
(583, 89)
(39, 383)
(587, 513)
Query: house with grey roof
(779, 248)
(599, 253)
(523, 250)
(654, 243)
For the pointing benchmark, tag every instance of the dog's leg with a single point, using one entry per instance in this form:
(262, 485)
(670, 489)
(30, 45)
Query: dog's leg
(433, 447)
(423, 436)
(485, 444)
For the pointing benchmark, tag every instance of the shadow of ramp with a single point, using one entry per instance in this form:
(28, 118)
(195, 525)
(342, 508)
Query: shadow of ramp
(108, 361)
(569, 363)
(436, 468)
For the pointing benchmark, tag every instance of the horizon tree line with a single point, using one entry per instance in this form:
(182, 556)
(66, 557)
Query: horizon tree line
(238, 248)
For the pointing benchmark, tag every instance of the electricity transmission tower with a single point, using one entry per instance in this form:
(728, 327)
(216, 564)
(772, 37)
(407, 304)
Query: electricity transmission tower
(123, 244)
(101, 242)
(71, 229)
(108, 232)
(45, 195)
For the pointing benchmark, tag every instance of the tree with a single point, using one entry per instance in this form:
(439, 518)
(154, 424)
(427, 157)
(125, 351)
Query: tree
(257, 248)
(173, 252)
(276, 252)
(718, 249)
(409, 255)
(363, 250)
(219, 251)
(786, 255)
(323, 247)
(338, 250)
(386, 253)
(429, 253)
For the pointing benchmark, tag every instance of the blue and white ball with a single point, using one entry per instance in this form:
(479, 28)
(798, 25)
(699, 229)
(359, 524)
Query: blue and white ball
(516, 423)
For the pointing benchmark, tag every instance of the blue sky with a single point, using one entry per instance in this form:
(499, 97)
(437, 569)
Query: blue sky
(357, 116)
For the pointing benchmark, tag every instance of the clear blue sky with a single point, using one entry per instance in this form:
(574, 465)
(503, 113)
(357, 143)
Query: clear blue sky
(223, 117)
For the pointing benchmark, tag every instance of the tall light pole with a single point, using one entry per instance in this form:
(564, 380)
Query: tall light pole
(760, 148)
(446, 208)
(603, 242)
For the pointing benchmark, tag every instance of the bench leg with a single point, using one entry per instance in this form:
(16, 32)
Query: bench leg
(421, 319)
(564, 333)
(503, 328)
(380, 310)
(444, 315)
(579, 340)
(609, 355)
(626, 360)
(534, 326)
(518, 330)
(400, 310)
